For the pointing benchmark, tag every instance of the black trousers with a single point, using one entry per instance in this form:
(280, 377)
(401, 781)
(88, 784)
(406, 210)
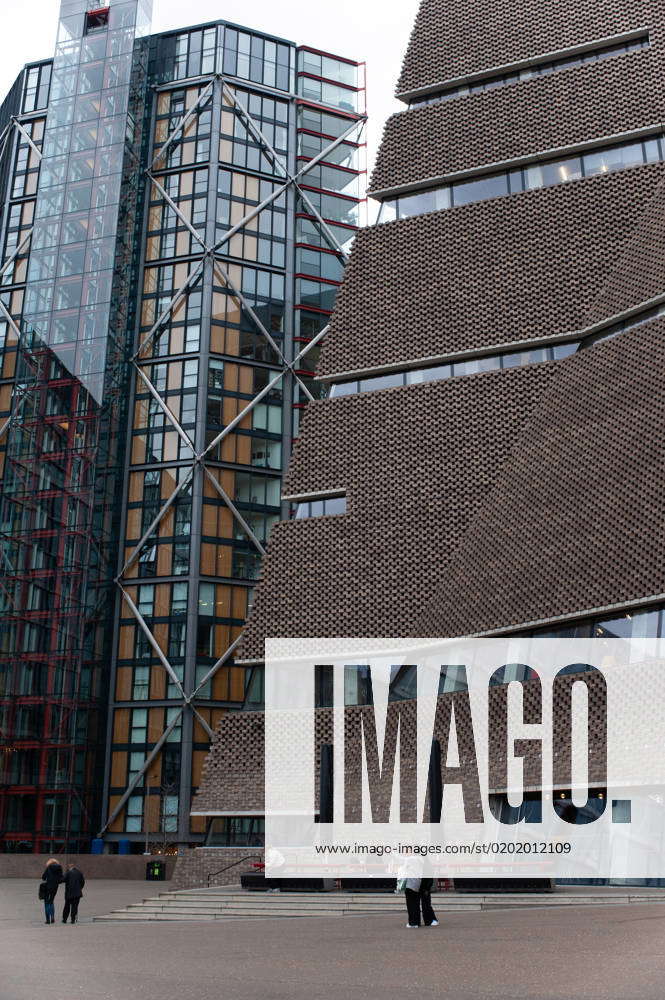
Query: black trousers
(71, 905)
(420, 899)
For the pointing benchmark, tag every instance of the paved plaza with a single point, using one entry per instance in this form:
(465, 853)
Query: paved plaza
(595, 953)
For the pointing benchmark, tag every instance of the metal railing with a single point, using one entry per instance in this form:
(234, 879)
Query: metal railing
(248, 857)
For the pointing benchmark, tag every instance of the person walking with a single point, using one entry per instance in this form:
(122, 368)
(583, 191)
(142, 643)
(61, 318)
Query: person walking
(51, 879)
(74, 882)
(418, 896)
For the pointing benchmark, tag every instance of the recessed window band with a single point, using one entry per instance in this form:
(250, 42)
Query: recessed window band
(595, 162)
(529, 72)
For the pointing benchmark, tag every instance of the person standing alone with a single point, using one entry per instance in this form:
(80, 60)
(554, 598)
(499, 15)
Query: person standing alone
(51, 879)
(74, 882)
(418, 895)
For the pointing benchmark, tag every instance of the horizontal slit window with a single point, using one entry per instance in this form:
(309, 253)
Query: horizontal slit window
(321, 507)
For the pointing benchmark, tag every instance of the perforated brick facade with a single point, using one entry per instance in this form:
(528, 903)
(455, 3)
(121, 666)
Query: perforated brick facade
(452, 38)
(454, 488)
(369, 571)
(491, 501)
(547, 112)
(511, 269)
(246, 731)
(574, 518)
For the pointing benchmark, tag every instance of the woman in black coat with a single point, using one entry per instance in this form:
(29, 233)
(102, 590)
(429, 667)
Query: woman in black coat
(51, 878)
(74, 883)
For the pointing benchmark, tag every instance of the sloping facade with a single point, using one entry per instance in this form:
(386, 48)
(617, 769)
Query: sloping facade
(453, 488)
(492, 432)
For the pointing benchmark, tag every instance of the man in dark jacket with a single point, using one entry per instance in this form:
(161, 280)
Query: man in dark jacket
(51, 879)
(74, 883)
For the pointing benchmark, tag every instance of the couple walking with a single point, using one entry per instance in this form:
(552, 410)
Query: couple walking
(73, 882)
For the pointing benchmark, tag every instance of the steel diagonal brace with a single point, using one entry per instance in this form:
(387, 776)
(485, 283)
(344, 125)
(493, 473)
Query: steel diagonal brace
(209, 731)
(235, 291)
(139, 774)
(312, 343)
(182, 434)
(27, 137)
(283, 187)
(155, 523)
(151, 639)
(17, 251)
(183, 123)
(225, 276)
(213, 670)
(234, 510)
(4, 137)
(164, 315)
(243, 413)
(9, 318)
(293, 179)
(327, 231)
(177, 211)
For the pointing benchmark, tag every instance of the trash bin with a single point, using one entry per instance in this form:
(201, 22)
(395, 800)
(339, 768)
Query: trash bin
(155, 871)
(124, 847)
(97, 846)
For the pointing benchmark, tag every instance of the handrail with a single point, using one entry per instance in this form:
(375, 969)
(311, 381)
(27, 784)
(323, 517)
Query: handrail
(232, 865)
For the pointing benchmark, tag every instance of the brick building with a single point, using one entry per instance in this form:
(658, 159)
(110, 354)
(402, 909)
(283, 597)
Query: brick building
(488, 456)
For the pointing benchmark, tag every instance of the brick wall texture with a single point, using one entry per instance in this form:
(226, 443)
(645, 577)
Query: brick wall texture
(217, 791)
(197, 863)
(574, 518)
(509, 497)
(528, 117)
(93, 866)
(495, 272)
(452, 38)
(415, 462)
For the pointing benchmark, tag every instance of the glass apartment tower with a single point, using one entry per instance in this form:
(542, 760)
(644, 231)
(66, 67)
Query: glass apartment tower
(177, 211)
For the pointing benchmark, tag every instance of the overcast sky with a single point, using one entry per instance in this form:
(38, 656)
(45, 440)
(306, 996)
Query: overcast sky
(365, 30)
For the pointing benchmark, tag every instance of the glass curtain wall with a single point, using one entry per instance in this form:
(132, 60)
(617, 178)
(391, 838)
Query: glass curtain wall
(209, 351)
(331, 93)
(63, 457)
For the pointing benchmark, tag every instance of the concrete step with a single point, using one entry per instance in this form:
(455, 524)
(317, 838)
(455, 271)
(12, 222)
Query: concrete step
(277, 901)
(233, 903)
(121, 917)
(381, 901)
(235, 907)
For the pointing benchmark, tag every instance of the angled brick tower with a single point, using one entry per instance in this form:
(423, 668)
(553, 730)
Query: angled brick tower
(500, 467)
(489, 458)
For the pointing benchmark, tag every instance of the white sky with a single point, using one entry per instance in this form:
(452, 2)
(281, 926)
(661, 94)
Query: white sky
(366, 30)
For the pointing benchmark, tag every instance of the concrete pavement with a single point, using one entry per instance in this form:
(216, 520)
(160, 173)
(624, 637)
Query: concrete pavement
(588, 954)
(19, 903)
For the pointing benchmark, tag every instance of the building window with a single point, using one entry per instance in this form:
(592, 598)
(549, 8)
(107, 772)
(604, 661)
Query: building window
(141, 683)
(170, 814)
(179, 599)
(317, 508)
(136, 762)
(236, 831)
(546, 173)
(139, 727)
(601, 50)
(134, 814)
(97, 20)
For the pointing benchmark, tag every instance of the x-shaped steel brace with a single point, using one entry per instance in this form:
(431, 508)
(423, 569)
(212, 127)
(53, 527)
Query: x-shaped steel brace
(139, 361)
